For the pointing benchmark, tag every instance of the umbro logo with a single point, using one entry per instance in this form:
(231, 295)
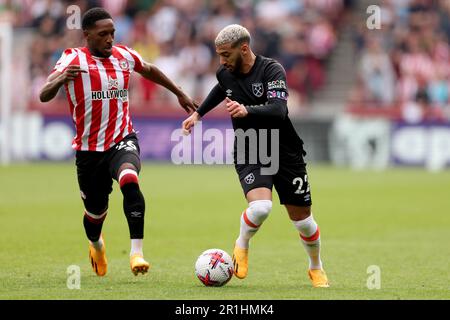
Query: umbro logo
(136, 214)
(229, 92)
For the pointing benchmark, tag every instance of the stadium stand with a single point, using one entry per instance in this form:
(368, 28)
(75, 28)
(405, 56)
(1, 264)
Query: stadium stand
(300, 34)
(404, 67)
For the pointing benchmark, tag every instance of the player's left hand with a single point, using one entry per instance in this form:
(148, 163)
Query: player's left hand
(187, 103)
(235, 109)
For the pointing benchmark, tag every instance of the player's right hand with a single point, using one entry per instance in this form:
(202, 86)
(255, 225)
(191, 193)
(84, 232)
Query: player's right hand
(70, 73)
(187, 103)
(189, 123)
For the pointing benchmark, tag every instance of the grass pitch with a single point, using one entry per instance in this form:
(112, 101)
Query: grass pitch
(398, 220)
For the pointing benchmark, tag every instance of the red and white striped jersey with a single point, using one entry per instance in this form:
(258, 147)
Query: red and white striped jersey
(98, 99)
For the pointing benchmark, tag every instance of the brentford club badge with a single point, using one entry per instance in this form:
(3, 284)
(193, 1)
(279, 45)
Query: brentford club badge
(123, 64)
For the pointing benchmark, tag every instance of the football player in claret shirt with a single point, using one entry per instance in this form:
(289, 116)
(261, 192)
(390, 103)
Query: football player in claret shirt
(256, 92)
(96, 80)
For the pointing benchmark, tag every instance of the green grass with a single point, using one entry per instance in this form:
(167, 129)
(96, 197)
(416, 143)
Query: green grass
(397, 219)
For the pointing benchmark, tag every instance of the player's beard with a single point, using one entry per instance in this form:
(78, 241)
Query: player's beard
(101, 50)
(106, 52)
(237, 65)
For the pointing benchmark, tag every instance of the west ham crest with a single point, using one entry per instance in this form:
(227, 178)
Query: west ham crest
(258, 89)
(249, 179)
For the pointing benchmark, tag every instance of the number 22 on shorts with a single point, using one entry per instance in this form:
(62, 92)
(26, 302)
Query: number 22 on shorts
(301, 182)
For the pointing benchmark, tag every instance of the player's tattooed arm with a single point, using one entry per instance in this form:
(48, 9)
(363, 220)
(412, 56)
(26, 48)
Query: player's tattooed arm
(153, 73)
(58, 79)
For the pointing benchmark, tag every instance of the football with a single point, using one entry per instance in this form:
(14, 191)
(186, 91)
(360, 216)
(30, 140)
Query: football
(214, 268)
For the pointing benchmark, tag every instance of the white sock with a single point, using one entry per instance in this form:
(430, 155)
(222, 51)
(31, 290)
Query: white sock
(251, 220)
(136, 246)
(98, 245)
(310, 235)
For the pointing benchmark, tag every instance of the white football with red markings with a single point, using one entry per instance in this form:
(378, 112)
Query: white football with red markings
(214, 267)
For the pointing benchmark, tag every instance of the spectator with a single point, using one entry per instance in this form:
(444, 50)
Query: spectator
(377, 73)
(413, 52)
(177, 36)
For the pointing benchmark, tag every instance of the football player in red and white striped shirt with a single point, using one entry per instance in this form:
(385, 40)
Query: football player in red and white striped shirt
(96, 80)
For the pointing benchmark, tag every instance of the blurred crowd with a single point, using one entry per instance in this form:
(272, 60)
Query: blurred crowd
(405, 65)
(178, 36)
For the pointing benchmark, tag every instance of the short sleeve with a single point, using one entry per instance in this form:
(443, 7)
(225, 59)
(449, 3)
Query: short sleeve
(134, 59)
(65, 60)
(138, 61)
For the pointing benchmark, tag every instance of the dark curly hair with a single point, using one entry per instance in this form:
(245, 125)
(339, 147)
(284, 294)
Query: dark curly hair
(93, 15)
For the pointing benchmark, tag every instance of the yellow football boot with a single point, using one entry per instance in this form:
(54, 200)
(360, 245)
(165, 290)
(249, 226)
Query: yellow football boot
(318, 278)
(138, 264)
(98, 259)
(240, 262)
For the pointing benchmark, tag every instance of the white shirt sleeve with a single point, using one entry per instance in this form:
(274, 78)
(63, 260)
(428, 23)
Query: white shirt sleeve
(64, 61)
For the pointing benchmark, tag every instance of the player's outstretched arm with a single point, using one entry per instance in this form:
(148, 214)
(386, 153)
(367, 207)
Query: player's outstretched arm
(215, 97)
(153, 73)
(58, 79)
